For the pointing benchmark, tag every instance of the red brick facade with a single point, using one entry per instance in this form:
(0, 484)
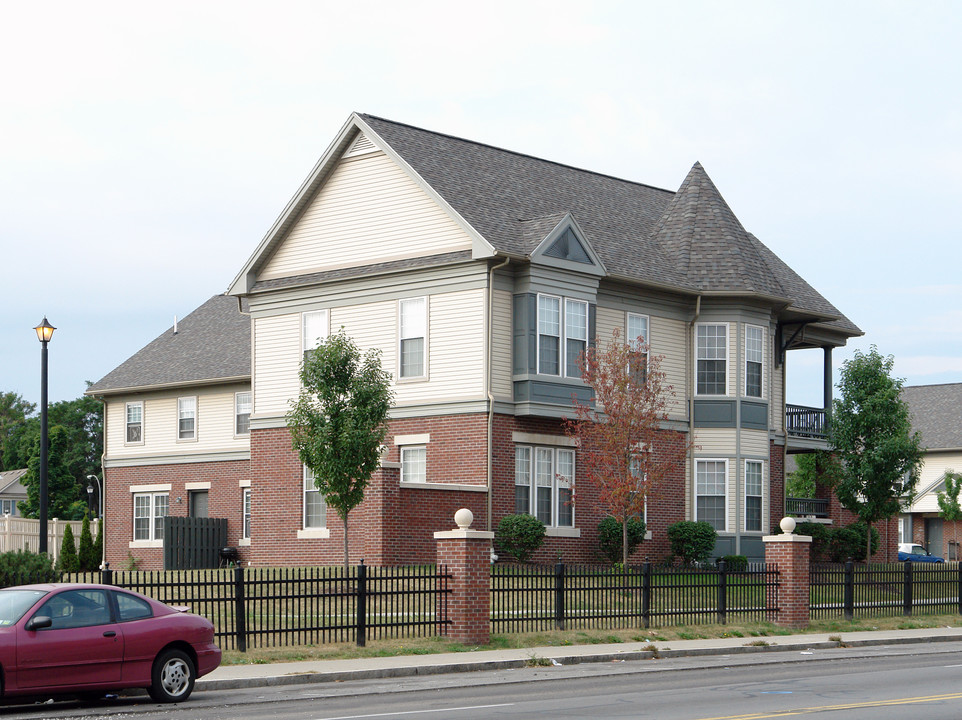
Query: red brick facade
(790, 554)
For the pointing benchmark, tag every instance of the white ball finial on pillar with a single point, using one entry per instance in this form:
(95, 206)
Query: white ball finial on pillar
(787, 525)
(464, 518)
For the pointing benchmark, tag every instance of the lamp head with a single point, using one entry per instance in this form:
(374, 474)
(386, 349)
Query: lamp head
(44, 331)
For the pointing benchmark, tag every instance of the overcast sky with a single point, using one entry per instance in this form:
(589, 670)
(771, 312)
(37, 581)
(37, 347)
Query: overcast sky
(146, 148)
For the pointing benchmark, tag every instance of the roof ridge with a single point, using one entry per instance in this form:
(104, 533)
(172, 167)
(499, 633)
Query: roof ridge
(517, 154)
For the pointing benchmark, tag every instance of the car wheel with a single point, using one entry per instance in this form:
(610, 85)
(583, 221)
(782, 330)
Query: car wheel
(172, 677)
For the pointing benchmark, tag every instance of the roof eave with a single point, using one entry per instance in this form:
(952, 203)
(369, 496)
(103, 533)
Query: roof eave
(167, 386)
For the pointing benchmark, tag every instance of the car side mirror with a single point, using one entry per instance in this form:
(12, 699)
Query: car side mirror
(38, 622)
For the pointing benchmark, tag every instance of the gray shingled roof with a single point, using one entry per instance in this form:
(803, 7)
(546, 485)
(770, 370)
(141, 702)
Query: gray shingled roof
(212, 343)
(10, 481)
(689, 240)
(936, 412)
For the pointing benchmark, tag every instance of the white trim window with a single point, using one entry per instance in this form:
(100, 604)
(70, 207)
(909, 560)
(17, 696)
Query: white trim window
(753, 495)
(246, 514)
(414, 464)
(711, 493)
(135, 423)
(754, 360)
(412, 337)
(711, 359)
(315, 507)
(187, 418)
(8, 507)
(637, 338)
(551, 342)
(314, 329)
(543, 482)
(242, 413)
(150, 509)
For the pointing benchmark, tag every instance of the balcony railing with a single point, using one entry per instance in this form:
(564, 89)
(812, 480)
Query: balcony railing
(804, 421)
(805, 507)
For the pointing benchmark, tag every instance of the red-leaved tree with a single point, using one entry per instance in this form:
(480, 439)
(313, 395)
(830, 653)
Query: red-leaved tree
(622, 435)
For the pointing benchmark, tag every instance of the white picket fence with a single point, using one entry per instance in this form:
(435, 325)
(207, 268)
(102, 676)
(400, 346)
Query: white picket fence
(17, 533)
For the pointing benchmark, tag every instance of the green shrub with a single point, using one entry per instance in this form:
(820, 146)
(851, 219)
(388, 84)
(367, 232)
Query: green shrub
(23, 568)
(86, 558)
(821, 539)
(68, 561)
(99, 543)
(692, 541)
(735, 563)
(520, 536)
(849, 542)
(610, 537)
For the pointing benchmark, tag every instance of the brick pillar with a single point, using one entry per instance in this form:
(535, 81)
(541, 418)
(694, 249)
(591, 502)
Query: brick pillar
(790, 554)
(466, 554)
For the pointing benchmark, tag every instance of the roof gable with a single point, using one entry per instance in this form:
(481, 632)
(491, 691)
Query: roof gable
(564, 246)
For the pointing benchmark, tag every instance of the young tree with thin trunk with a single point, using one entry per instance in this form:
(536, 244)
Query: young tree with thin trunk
(622, 435)
(339, 421)
(879, 455)
(949, 508)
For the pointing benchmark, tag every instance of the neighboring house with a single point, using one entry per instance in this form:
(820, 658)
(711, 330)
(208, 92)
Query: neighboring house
(936, 412)
(480, 274)
(11, 491)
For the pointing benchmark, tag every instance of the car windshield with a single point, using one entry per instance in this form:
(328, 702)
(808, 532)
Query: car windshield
(14, 603)
(918, 550)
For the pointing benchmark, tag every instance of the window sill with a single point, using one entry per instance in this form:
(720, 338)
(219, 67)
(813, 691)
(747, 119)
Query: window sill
(145, 544)
(442, 486)
(313, 534)
(568, 532)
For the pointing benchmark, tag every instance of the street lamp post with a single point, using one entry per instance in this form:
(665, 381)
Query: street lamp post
(44, 333)
(100, 493)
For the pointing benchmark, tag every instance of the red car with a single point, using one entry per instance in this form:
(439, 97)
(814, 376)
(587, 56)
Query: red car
(89, 639)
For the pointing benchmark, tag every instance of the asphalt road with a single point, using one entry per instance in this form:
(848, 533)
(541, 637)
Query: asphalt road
(874, 683)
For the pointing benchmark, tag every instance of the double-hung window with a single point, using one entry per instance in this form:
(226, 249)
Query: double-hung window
(187, 418)
(150, 509)
(315, 507)
(412, 335)
(636, 337)
(574, 340)
(242, 413)
(314, 329)
(414, 464)
(754, 355)
(543, 482)
(135, 423)
(711, 351)
(710, 493)
(753, 496)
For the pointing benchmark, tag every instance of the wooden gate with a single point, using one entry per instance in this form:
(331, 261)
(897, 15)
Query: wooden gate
(192, 543)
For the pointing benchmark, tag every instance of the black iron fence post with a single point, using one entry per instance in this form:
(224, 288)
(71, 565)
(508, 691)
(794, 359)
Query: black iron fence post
(559, 596)
(646, 592)
(907, 588)
(361, 604)
(107, 575)
(849, 592)
(240, 609)
(722, 599)
(958, 592)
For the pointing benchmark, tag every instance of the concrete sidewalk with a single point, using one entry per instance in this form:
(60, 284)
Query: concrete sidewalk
(242, 676)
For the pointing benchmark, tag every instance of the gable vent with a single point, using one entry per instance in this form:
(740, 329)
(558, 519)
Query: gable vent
(361, 146)
(567, 247)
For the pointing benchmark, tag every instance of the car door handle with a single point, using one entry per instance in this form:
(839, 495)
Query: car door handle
(110, 633)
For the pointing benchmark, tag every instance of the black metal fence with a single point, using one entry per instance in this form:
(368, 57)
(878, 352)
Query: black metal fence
(193, 543)
(884, 590)
(270, 607)
(529, 598)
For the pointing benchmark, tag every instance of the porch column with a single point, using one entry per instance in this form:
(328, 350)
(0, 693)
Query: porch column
(827, 384)
(466, 554)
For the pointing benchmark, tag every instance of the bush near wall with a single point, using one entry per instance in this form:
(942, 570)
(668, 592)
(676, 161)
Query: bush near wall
(23, 567)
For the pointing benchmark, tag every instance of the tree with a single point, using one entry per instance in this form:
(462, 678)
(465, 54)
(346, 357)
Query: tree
(949, 508)
(65, 494)
(621, 436)
(870, 432)
(14, 411)
(86, 556)
(68, 562)
(339, 421)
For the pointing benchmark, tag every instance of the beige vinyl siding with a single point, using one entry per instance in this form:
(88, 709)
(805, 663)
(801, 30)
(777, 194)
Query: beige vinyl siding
(606, 320)
(277, 361)
(668, 341)
(754, 444)
(777, 406)
(457, 350)
(368, 211)
(501, 346)
(714, 442)
(215, 424)
(934, 467)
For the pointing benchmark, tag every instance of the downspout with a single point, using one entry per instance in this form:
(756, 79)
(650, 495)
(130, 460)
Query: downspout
(690, 362)
(490, 390)
(103, 492)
